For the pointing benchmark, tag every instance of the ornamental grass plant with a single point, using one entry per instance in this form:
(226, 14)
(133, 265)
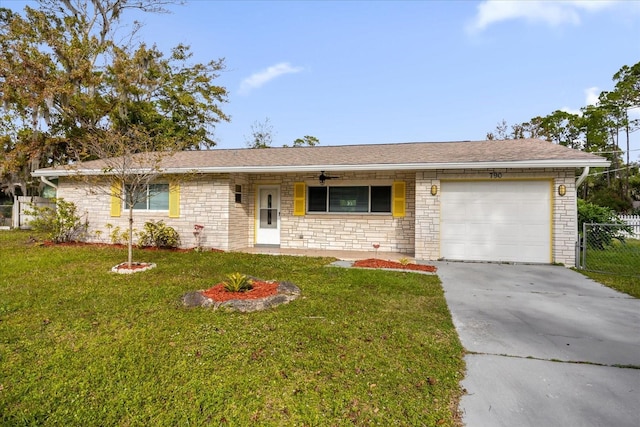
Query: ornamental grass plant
(82, 346)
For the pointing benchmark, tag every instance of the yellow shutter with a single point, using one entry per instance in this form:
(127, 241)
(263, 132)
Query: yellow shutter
(116, 202)
(299, 203)
(399, 198)
(174, 200)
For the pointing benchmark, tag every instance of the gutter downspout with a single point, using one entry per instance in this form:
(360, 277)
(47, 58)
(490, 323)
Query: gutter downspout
(51, 184)
(582, 177)
(579, 181)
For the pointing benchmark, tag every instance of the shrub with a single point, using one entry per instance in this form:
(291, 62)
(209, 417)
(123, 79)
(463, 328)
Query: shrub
(600, 236)
(117, 235)
(62, 223)
(611, 199)
(237, 282)
(158, 234)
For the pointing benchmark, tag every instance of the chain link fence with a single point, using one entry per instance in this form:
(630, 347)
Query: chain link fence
(610, 248)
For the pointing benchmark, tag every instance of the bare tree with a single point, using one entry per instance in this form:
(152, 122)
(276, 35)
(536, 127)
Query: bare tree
(125, 172)
(261, 134)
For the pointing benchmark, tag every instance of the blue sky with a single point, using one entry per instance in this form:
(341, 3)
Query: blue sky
(359, 72)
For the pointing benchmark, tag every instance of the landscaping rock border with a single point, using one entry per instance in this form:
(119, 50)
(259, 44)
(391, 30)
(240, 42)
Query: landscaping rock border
(137, 267)
(287, 292)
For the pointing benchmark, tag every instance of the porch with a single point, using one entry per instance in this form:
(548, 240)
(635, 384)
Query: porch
(342, 255)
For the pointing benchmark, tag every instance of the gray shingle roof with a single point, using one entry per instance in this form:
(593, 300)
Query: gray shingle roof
(417, 155)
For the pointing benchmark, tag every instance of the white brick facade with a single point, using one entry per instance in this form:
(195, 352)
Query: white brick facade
(209, 200)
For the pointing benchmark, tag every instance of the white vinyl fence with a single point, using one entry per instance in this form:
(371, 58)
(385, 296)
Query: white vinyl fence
(632, 221)
(23, 204)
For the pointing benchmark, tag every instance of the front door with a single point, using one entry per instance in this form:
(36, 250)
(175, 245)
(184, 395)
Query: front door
(268, 221)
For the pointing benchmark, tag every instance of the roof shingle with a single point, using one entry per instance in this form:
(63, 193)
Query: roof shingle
(403, 155)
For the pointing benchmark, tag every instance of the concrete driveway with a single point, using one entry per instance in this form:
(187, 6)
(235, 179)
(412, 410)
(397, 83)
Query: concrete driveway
(547, 346)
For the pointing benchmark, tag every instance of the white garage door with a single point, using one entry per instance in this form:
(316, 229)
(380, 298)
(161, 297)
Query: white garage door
(496, 221)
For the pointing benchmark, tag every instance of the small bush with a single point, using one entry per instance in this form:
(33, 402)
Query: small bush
(237, 282)
(600, 236)
(62, 223)
(117, 235)
(158, 234)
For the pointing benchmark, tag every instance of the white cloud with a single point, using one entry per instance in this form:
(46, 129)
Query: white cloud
(552, 13)
(571, 111)
(591, 95)
(262, 77)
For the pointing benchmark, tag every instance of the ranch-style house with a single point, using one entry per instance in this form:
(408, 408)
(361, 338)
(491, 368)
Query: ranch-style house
(505, 201)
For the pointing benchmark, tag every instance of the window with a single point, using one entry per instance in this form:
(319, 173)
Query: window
(238, 193)
(357, 199)
(381, 198)
(154, 197)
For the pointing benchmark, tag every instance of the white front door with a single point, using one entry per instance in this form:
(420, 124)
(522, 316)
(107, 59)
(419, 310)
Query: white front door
(268, 216)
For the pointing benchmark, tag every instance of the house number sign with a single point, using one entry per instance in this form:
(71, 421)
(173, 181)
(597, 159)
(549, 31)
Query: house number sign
(495, 175)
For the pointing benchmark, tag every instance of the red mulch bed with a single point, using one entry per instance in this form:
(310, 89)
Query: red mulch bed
(260, 290)
(379, 263)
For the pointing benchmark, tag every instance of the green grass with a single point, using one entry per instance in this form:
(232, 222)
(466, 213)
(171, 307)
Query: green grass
(617, 267)
(619, 258)
(628, 284)
(82, 346)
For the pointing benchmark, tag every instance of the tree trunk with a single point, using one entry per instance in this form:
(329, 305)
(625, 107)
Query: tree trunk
(130, 240)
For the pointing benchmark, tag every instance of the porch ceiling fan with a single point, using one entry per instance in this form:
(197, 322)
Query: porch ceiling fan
(323, 177)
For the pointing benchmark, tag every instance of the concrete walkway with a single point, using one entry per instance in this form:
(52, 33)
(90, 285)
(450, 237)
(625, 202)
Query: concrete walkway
(342, 255)
(547, 346)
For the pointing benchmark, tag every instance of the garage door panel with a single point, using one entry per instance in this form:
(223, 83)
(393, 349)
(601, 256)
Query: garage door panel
(496, 221)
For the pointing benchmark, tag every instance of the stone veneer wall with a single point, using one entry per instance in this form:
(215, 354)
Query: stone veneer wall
(240, 214)
(210, 201)
(202, 201)
(564, 208)
(330, 231)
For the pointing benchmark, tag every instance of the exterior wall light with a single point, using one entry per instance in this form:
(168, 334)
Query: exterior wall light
(562, 190)
(434, 190)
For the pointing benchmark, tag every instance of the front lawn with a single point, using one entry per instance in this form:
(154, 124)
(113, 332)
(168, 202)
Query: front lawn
(619, 258)
(82, 346)
(628, 284)
(617, 266)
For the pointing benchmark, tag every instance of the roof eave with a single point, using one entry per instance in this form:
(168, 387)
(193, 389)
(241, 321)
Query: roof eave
(527, 164)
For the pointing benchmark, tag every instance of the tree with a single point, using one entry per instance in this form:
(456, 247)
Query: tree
(261, 135)
(500, 132)
(64, 75)
(597, 128)
(73, 94)
(308, 140)
(128, 168)
(628, 88)
(560, 127)
(518, 131)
